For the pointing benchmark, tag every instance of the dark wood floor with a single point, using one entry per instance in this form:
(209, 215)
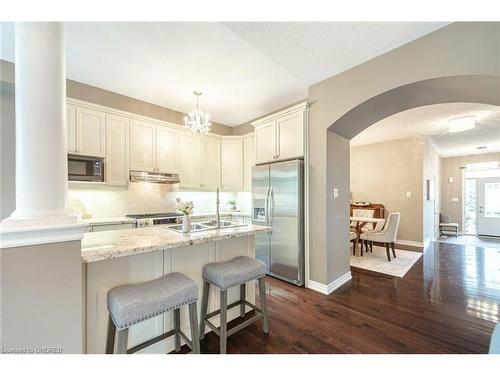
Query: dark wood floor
(447, 303)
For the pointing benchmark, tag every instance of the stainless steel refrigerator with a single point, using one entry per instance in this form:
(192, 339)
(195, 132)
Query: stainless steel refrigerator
(278, 201)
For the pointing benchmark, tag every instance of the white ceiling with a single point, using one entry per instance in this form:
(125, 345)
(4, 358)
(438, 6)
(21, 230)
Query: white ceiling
(245, 70)
(432, 121)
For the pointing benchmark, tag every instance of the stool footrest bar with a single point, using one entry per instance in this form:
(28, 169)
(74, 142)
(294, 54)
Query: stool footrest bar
(150, 342)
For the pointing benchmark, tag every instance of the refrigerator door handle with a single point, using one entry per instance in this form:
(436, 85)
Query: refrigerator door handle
(266, 206)
(271, 209)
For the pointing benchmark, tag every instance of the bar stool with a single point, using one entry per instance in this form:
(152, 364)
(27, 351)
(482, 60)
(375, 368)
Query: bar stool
(224, 275)
(131, 304)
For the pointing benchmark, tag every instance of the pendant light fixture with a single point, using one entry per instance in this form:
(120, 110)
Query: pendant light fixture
(197, 120)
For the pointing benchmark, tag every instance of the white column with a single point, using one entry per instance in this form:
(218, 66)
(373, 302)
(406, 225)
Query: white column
(41, 164)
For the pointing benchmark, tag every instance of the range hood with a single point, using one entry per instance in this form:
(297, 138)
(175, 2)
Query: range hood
(155, 177)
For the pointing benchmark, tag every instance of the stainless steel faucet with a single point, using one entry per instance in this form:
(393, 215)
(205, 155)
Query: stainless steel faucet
(217, 213)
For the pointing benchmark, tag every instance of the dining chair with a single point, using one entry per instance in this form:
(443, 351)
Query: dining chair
(354, 239)
(364, 213)
(387, 235)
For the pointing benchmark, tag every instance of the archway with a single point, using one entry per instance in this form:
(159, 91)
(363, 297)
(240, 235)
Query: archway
(484, 89)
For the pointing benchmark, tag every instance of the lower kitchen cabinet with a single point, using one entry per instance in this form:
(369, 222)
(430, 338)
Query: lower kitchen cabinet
(103, 275)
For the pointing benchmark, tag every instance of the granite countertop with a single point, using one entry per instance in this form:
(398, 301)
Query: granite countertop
(111, 244)
(109, 220)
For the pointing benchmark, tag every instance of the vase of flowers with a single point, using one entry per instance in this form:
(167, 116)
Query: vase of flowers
(231, 205)
(186, 208)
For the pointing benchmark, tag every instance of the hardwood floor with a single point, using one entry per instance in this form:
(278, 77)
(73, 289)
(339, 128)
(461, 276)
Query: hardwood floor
(447, 303)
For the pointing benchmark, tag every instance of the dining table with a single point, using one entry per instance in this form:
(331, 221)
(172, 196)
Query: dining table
(360, 223)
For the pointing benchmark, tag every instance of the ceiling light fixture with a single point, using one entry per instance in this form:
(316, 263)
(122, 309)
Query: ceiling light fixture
(197, 120)
(461, 124)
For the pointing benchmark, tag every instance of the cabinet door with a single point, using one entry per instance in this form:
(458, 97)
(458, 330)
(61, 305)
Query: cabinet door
(290, 135)
(190, 160)
(90, 132)
(117, 150)
(210, 161)
(167, 149)
(248, 161)
(142, 146)
(71, 128)
(232, 164)
(265, 142)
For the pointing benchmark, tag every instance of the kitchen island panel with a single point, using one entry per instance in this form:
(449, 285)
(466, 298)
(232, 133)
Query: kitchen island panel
(104, 275)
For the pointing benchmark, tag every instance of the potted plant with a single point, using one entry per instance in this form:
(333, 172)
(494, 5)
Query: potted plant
(186, 208)
(231, 205)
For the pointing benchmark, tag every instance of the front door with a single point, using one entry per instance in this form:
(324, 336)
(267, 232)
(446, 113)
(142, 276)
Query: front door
(488, 206)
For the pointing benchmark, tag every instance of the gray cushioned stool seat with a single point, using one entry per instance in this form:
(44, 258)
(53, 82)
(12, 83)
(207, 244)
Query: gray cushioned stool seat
(234, 272)
(130, 304)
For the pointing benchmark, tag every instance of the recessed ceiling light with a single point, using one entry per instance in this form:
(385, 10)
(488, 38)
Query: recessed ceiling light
(461, 124)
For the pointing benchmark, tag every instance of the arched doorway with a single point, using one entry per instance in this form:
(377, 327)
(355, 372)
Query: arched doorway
(484, 89)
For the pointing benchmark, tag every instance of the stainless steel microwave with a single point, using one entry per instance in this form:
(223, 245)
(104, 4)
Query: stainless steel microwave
(85, 168)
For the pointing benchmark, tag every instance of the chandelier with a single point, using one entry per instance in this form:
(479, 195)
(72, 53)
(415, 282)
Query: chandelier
(197, 121)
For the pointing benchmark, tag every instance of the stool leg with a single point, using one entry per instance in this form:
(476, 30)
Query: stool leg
(393, 249)
(110, 338)
(204, 308)
(193, 321)
(121, 346)
(243, 288)
(223, 321)
(263, 303)
(177, 329)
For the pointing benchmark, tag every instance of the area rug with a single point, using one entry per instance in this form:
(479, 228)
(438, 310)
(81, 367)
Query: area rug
(377, 261)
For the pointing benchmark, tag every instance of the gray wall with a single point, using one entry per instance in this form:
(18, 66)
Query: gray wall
(456, 50)
(7, 149)
(431, 171)
(384, 172)
(41, 297)
(77, 90)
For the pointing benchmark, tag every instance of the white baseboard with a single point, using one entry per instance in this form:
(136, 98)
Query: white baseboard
(409, 243)
(327, 289)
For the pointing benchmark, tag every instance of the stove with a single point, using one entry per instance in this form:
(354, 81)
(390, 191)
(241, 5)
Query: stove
(146, 220)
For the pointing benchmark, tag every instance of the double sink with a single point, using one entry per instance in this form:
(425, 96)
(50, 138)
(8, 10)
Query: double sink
(207, 225)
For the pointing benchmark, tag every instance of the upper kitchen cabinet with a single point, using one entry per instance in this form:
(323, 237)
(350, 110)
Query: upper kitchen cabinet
(265, 142)
(248, 160)
(117, 150)
(232, 163)
(280, 136)
(167, 149)
(210, 162)
(90, 132)
(190, 160)
(142, 146)
(71, 128)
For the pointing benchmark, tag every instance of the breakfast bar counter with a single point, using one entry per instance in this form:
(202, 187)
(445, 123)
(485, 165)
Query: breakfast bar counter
(97, 246)
(128, 256)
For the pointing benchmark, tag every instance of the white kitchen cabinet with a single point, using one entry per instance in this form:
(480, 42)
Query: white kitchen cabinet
(290, 138)
(116, 165)
(71, 128)
(142, 146)
(190, 161)
(232, 164)
(265, 142)
(167, 149)
(90, 132)
(280, 136)
(210, 162)
(248, 161)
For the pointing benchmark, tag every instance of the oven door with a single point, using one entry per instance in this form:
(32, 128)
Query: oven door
(85, 169)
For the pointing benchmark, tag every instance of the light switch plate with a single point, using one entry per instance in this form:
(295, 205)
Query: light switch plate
(408, 194)
(450, 179)
(335, 193)
(454, 199)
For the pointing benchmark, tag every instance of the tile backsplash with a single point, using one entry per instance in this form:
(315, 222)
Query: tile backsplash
(100, 201)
